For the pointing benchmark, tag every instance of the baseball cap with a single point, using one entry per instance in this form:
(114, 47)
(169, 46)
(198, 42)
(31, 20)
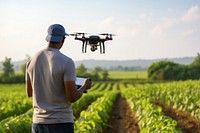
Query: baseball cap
(56, 32)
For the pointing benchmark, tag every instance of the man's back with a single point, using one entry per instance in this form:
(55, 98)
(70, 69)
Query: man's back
(50, 80)
(47, 71)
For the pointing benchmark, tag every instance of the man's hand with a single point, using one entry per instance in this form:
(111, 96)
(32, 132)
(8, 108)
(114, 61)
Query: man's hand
(87, 84)
(72, 93)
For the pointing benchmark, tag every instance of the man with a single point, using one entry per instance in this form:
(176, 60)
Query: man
(50, 80)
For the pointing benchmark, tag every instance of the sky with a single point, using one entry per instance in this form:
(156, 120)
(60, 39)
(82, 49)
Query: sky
(145, 29)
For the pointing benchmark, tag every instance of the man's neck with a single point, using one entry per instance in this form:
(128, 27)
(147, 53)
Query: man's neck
(54, 45)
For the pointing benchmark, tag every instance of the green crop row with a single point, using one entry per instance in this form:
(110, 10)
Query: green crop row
(14, 104)
(17, 124)
(100, 88)
(22, 123)
(17, 102)
(85, 100)
(13, 100)
(12, 88)
(94, 119)
(150, 117)
(95, 86)
(183, 95)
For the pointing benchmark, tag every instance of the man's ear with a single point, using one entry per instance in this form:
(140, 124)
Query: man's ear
(63, 40)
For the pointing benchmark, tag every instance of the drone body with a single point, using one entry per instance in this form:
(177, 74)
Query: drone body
(93, 41)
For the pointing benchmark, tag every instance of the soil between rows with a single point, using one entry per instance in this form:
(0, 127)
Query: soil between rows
(186, 122)
(122, 119)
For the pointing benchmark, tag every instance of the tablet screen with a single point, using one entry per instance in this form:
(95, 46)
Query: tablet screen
(80, 81)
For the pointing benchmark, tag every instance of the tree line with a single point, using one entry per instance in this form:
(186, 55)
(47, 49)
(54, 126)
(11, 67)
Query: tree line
(8, 75)
(168, 70)
(162, 70)
(122, 68)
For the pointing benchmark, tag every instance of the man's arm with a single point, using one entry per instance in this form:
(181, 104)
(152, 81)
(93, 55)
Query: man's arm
(29, 89)
(74, 94)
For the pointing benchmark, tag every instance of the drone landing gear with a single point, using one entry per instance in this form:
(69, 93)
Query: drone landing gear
(102, 48)
(84, 47)
(93, 47)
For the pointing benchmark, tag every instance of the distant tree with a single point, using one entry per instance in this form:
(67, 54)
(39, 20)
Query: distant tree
(97, 69)
(96, 73)
(155, 71)
(165, 70)
(7, 68)
(171, 70)
(105, 75)
(181, 72)
(82, 71)
(99, 74)
(196, 61)
(195, 68)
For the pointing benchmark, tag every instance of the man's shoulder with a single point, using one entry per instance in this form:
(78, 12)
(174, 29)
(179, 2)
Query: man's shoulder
(65, 59)
(39, 53)
(36, 55)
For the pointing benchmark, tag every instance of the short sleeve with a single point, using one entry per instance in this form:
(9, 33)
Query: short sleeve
(70, 71)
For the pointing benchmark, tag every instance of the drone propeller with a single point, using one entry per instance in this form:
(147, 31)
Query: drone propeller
(107, 34)
(78, 33)
(72, 34)
(104, 34)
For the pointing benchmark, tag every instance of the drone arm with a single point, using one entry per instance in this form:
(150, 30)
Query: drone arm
(80, 39)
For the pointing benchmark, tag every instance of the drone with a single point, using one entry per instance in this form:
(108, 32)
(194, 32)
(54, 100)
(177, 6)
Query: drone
(93, 41)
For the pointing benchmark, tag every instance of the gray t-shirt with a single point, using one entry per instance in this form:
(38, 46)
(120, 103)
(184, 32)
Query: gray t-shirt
(47, 71)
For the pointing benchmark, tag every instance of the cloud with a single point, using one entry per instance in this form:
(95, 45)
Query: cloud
(142, 15)
(170, 10)
(188, 32)
(145, 17)
(121, 27)
(192, 14)
(107, 23)
(162, 27)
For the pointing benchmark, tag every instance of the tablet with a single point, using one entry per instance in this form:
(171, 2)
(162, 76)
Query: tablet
(80, 81)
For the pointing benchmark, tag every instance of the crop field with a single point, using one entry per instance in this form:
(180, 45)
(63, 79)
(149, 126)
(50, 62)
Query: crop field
(118, 107)
(128, 74)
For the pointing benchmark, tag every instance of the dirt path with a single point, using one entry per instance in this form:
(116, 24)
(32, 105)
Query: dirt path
(185, 121)
(122, 119)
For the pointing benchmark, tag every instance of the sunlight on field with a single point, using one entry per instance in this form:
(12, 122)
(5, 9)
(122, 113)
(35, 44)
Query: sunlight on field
(128, 74)
(16, 108)
(12, 88)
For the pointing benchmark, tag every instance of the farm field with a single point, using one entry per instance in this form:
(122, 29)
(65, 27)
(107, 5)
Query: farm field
(117, 107)
(128, 74)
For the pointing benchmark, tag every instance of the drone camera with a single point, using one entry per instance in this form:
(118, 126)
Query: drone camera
(93, 48)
